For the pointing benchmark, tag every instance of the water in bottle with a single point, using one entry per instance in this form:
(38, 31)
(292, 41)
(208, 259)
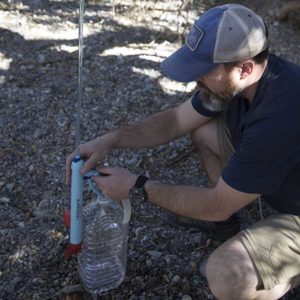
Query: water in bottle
(102, 261)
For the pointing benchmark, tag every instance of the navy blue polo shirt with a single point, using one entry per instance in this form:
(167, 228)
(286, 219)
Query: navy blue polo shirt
(266, 137)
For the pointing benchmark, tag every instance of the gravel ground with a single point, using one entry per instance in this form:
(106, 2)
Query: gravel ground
(38, 69)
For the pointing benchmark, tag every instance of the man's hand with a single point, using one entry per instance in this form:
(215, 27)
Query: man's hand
(92, 152)
(117, 182)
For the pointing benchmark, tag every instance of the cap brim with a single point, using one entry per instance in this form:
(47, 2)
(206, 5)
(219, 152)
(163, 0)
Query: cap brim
(185, 66)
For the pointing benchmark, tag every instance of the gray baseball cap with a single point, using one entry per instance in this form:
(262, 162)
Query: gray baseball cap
(226, 33)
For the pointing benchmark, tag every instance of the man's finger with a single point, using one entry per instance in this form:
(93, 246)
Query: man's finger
(101, 182)
(68, 168)
(106, 170)
(89, 164)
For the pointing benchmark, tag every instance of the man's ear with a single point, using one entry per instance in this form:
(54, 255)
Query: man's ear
(246, 69)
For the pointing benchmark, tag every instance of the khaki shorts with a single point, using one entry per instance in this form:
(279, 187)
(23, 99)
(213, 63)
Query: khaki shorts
(274, 247)
(273, 243)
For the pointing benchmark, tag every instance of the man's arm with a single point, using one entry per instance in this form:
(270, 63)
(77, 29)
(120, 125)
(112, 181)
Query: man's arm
(210, 204)
(155, 130)
(159, 128)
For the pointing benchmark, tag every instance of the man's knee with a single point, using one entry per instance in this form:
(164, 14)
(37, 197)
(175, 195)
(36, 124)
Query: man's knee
(198, 137)
(205, 137)
(230, 272)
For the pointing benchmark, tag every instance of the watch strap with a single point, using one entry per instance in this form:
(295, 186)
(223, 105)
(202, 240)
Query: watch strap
(140, 181)
(138, 191)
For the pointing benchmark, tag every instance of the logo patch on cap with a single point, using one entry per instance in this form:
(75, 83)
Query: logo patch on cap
(194, 37)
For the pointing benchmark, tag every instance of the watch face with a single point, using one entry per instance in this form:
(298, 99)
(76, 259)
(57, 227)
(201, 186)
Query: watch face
(137, 193)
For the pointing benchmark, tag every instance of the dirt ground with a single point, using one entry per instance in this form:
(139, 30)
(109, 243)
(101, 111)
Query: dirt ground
(123, 47)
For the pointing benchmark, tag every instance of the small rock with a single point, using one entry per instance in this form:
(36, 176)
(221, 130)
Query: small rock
(155, 254)
(39, 213)
(145, 241)
(9, 187)
(120, 58)
(168, 260)
(137, 231)
(176, 279)
(186, 297)
(56, 282)
(34, 280)
(41, 58)
(21, 224)
(41, 281)
(195, 280)
(166, 278)
(133, 254)
(88, 89)
(202, 268)
(197, 239)
(35, 296)
(39, 133)
(4, 200)
(172, 256)
(149, 262)
(141, 258)
(46, 196)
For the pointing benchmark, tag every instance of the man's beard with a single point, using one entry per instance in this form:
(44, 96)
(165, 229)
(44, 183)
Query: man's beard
(228, 95)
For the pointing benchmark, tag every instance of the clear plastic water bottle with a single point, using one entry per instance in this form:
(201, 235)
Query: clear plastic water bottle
(102, 260)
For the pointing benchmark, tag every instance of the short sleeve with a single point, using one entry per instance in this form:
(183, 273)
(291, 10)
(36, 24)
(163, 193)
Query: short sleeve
(263, 159)
(204, 109)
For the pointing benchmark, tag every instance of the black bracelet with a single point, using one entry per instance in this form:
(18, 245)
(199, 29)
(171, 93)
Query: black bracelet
(140, 181)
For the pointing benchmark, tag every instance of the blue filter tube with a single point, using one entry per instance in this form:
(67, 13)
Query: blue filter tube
(76, 201)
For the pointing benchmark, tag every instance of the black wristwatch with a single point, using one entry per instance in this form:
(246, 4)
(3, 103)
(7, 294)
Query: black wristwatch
(138, 190)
